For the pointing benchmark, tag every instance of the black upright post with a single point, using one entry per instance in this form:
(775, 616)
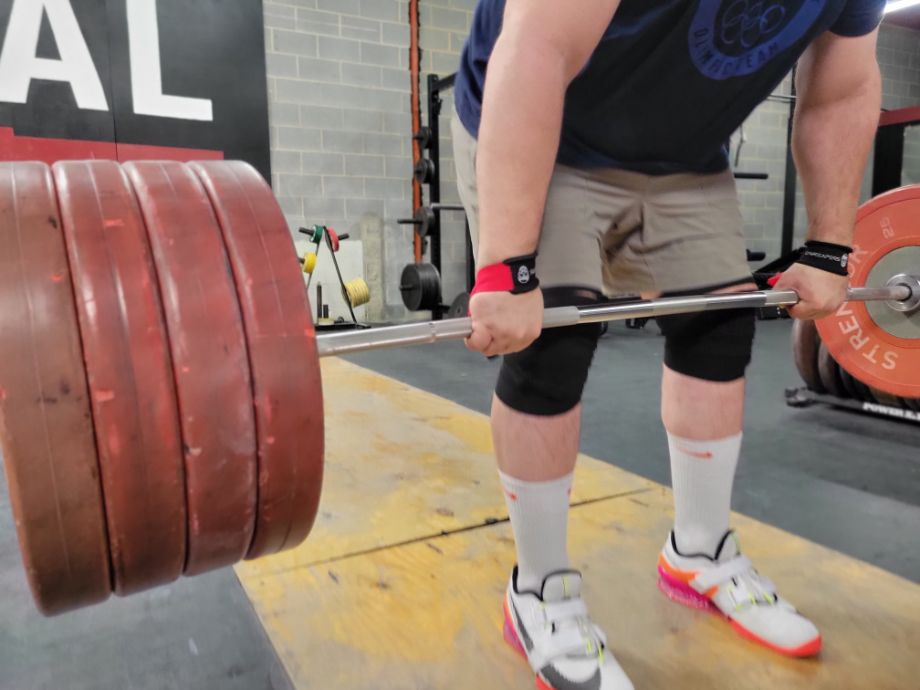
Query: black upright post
(789, 193)
(434, 187)
(889, 159)
(470, 260)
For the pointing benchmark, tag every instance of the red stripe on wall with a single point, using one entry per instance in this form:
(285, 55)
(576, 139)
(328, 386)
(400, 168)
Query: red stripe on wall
(16, 148)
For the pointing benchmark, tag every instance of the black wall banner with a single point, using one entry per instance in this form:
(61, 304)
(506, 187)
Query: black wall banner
(132, 79)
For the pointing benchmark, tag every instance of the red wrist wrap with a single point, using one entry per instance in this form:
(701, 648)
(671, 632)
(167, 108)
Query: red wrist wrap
(516, 275)
(494, 278)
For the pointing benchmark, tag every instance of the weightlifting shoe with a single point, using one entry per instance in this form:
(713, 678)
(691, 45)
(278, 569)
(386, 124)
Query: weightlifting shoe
(729, 584)
(553, 632)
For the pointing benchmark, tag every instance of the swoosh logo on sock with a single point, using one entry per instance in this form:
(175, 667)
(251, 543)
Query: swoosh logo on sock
(510, 494)
(560, 682)
(700, 454)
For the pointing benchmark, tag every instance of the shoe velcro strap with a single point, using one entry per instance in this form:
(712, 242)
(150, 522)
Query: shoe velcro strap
(560, 612)
(572, 642)
(722, 573)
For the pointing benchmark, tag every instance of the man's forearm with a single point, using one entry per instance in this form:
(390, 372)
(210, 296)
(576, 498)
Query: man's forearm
(831, 144)
(518, 143)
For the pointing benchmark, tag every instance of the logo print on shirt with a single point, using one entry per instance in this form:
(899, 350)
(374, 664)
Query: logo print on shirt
(735, 38)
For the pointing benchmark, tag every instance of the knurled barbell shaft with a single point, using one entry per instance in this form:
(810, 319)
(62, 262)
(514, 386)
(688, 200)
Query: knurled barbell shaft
(458, 329)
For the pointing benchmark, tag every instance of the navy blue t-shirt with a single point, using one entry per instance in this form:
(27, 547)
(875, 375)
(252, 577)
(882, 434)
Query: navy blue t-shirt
(671, 80)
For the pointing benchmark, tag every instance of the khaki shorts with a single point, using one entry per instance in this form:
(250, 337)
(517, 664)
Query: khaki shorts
(625, 233)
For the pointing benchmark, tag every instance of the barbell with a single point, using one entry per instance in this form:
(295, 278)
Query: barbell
(160, 386)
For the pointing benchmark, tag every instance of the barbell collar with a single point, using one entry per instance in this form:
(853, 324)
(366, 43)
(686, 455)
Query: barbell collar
(911, 303)
(457, 329)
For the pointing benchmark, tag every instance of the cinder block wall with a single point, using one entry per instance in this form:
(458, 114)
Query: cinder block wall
(899, 49)
(340, 125)
(444, 28)
(760, 146)
(899, 61)
(899, 57)
(341, 128)
(911, 172)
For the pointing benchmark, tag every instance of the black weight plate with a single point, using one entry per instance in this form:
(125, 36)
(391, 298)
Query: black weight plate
(849, 383)
(460, 307)
(856, 388)
(863, 391)
(424, 170)
(805, 343)
(883, 398)
(420, 285)
(829, 372)
(425, 220)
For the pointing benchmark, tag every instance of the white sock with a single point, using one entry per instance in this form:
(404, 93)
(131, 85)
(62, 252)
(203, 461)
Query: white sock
(539, 517)
(702, 473)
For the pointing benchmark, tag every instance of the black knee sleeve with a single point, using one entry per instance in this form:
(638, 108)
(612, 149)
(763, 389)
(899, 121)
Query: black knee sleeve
(549, 377)
(713, 346)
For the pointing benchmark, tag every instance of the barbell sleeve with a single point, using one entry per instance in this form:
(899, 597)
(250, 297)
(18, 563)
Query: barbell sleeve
(431, 208)
(457, 329)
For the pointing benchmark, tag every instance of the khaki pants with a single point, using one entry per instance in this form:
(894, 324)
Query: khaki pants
(625, 233)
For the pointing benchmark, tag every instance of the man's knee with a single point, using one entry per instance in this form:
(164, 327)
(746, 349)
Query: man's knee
(548, 377)
(713, 346)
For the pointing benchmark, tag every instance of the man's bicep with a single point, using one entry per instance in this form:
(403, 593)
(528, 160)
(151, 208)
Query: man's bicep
(573, 31)
(836, 67)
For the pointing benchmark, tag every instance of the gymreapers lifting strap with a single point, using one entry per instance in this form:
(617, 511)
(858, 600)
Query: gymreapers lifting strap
(826, 256)
(516, 275)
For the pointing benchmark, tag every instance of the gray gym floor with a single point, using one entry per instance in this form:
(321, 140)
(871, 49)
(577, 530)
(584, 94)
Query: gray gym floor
(197, 634)
(844, 480)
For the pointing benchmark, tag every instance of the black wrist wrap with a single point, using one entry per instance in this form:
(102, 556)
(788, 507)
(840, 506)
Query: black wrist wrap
(825, 256)
(523, 273)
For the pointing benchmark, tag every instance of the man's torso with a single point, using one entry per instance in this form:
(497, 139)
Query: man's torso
(670, 80)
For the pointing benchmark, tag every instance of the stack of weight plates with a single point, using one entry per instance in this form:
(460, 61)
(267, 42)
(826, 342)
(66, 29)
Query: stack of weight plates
(822, 374)
(161, 406)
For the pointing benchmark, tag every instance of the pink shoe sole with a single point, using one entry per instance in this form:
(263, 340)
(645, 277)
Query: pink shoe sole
(675, 590)
(510, 635)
